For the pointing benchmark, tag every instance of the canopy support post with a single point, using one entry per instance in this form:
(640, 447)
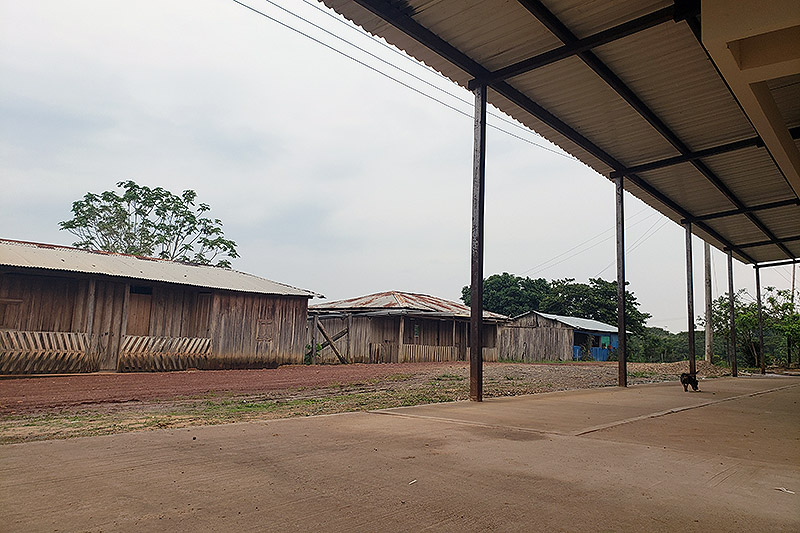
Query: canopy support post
(690, 299)
(760, 322)
(731, 310)
(622, 354)
(476, 287)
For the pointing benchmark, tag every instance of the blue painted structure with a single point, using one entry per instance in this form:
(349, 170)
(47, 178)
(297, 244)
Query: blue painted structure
(600, 338)
(606, 341)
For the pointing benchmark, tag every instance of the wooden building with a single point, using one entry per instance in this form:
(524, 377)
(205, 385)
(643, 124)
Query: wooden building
(69, 310)
(537, 336)
(396, 327)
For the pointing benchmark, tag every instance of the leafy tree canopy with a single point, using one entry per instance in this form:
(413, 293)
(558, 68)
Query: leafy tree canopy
(512, 295)
(781, 322)
(151, 222)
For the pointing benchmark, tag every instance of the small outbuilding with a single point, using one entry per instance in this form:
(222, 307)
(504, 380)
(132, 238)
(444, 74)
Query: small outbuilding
(536, 336)
(396, 327)
(65, 309)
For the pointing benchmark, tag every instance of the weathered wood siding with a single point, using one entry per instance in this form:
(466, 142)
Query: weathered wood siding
(255, 330)
(535, 338)
(146, 326)
(44, 325)
(42, 303)
(376, 339)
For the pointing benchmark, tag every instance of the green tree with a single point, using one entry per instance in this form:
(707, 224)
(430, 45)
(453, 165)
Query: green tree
(513, 295)
(785, 318)
(780, 322)
(510, 295)
(151, 222)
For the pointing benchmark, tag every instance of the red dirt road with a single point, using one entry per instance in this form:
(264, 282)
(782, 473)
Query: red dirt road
(27, 394)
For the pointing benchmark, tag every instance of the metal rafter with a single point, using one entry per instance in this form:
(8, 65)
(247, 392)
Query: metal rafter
(708, 152)
(403, 21)
(767, 243)
(552, 23)
(581, 45)
(733, 212)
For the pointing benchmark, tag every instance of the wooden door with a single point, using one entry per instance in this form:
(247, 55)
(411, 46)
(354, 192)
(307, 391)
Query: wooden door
(108, 325)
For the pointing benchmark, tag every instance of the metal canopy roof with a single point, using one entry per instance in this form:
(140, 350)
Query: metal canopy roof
(705, 130)
(63, 258)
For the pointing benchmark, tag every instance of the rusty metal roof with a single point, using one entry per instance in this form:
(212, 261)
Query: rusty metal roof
(63, 258)
(403, 301)
(639, 99)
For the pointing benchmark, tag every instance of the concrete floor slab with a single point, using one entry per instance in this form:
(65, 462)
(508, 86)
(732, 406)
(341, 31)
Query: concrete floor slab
(600, 460)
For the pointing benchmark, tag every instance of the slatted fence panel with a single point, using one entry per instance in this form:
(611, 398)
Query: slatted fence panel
(421, 353)
(45, 352)
(155, 354)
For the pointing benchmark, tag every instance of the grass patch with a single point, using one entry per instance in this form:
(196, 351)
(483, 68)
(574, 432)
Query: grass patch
(449, 377)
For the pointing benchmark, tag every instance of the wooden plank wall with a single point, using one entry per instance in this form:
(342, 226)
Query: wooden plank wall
(529, 343)
(248, 330)
(39, 303)
(256, 331)
(374, 340)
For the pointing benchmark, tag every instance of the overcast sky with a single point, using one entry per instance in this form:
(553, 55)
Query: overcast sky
(328, 175)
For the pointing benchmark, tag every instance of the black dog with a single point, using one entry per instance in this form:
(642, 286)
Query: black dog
(688, 379)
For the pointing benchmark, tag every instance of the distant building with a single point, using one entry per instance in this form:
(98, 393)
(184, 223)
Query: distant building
(536, 336)
(397, 327)
(70, 310)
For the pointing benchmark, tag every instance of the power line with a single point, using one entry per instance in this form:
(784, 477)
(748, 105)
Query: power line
(374, 69)
(549, 263)
(638, 242)
(407, 57)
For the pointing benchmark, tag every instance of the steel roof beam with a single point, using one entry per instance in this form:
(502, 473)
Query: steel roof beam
(708, 152)
(552, 23)
(403, 21)
(581, 45)
(767, 243)
(778, 264)
(691, 156)
(734, 212)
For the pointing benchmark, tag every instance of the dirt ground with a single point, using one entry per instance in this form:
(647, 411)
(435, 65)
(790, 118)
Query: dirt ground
(47, 407)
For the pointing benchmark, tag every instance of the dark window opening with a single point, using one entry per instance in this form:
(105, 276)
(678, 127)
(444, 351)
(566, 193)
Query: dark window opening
(141, 289)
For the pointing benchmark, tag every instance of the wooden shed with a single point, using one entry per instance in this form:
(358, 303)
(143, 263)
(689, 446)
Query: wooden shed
(536, 336)
(70, 310)
(396, 327)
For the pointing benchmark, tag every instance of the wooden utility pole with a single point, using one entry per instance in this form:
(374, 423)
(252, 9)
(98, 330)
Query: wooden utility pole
(709, 352)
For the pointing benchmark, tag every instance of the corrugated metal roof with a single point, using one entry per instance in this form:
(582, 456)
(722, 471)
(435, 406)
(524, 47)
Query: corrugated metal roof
(583, 324)
(63, 258)
(405, 301)
(665, 67)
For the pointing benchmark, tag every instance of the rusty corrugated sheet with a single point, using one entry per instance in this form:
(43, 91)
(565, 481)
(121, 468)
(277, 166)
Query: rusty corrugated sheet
(391, 300)
(63, 258)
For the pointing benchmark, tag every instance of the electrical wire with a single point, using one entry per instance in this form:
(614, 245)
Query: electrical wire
(407, 57)
(378, 71)
(549, 263)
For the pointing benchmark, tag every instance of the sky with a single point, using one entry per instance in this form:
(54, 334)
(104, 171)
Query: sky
(328, 174)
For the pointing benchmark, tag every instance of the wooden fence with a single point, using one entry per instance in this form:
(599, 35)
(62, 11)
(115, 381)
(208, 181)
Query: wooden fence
(141, 353)
(46, 352)
(421, 353)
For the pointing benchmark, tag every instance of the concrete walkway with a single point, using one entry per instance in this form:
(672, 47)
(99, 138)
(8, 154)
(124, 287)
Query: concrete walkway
(646, 458)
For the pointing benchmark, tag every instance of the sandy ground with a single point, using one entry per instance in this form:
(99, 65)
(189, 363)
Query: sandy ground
(645, 458)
